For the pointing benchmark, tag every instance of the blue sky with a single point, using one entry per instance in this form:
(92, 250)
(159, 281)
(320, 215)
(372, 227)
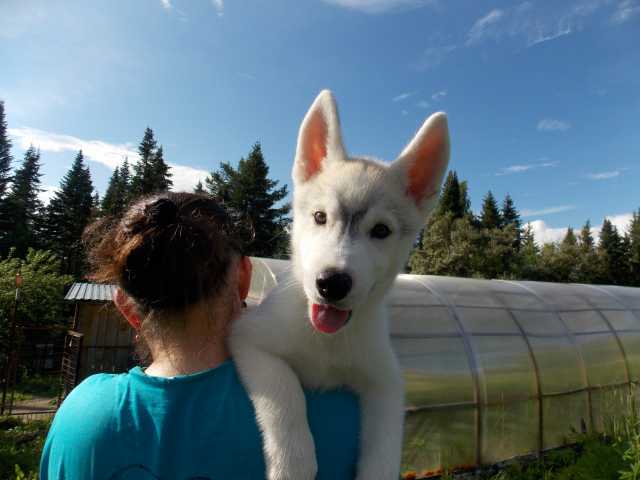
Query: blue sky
(543, 97)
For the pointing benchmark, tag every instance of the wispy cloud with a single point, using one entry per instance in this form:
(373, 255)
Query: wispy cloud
(484, 26)
(624, 11)
(109, 154)
(166, 4)
(433, 56)
(535, 24)
(510, 170)
(553, 125)
(404, 113)
(547, 211)
(604, 175)
(219, 6)
(423, 104)
(439, 95)
(402, 96)
(380, 6)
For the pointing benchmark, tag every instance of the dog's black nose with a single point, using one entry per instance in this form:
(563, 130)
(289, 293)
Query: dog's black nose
(333, 285)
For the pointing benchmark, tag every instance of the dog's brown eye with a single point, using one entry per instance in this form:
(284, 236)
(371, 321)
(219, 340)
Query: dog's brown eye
(320, 218)
(380, 231)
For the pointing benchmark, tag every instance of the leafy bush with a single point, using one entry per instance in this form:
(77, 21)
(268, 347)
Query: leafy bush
(20, 447)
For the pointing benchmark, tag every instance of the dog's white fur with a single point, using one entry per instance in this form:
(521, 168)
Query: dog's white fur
(275, 347)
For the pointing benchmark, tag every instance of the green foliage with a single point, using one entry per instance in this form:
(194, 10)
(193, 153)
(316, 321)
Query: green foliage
(118, 193)
(20, 447)
(42, 291)
(250, 194)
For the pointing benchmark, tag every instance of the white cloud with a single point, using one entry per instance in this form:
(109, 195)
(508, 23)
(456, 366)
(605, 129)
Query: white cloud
(379, 6)
(624, 11)
(402, 96)
(553, 125)
(46, 193)
(109, 154)
(219, 6)
(434, 56)
(439, 95)
(166, 4)
(604, 175)
(423, 104)
(545, 234)
(484, 26)
(510, 170)
(547, 211)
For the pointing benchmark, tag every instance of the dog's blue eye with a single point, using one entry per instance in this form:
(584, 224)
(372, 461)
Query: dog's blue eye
(320, 218)
(380, 231)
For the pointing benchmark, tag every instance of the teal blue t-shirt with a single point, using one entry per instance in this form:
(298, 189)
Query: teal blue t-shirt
(201, 426)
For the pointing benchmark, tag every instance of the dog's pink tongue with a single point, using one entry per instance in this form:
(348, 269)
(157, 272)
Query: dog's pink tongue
(328, 319)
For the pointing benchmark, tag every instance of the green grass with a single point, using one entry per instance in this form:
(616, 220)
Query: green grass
(38, 386)
(20, 447)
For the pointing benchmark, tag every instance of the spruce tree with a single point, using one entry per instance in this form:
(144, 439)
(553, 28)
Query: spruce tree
(21, 206)
(528, 255)
(68, 213)
(588, 266)
(144, 176)
(251, 195)
(112, 201)
(511, 217)
(490, 215)
(161, 175)
(611, 250)
(5, 154)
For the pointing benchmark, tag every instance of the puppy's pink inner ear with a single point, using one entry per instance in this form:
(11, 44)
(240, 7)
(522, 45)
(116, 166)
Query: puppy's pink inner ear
(428, 162)
(315, 144)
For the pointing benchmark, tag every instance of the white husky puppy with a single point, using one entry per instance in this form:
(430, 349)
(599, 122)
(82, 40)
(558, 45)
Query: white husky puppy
(354, 222)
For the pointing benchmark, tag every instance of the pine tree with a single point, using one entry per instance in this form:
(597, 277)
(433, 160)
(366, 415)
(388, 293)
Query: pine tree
(248, 193)
(199, 188)
(21, 206)
(5, 154)
(567, 256)
(68, 213)
(490, 215)
(634, 249)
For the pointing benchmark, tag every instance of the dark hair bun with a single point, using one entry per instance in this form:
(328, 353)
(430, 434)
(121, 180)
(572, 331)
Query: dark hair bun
(161, 213)
(168, 251)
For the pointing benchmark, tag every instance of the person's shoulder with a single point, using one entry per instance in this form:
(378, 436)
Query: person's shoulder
(88, 405)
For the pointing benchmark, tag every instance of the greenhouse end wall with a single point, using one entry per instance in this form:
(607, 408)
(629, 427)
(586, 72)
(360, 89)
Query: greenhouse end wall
(496, 369)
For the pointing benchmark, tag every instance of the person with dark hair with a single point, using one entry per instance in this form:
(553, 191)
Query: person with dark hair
(182, 278)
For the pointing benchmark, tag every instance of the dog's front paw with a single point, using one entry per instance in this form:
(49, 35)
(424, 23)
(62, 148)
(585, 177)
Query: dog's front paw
(291, 458)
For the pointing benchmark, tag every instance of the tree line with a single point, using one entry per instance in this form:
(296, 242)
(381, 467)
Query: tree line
(27, 224)
(496, 244)
(493, 244)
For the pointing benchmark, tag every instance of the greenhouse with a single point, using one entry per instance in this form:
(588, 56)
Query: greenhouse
(498, 369)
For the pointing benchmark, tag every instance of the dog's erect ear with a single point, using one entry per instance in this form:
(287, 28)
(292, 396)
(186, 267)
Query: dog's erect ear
(423, 162)
(319, 138)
